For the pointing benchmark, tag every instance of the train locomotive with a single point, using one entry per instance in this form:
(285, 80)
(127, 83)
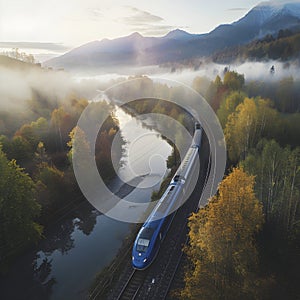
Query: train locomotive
(154, 230)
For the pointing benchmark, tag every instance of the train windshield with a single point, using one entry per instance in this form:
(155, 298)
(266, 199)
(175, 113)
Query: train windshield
(142, 245)
(144, 239)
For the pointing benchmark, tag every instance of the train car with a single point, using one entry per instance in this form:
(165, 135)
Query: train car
(154, 230)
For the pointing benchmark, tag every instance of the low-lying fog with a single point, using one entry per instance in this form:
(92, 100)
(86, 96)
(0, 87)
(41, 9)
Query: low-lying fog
(251, 71)
(16, 86)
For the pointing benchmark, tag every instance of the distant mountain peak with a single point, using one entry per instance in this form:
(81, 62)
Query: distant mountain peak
(266, 11)
(275, 7)
(135, 35)
(177, 34)
(277, 3)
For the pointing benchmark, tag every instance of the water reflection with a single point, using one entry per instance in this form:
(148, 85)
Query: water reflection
(78, 246)
(42, 275)
(145, 153)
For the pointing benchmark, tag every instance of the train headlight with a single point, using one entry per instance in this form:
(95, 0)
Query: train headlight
(132, 257)
(145, 259)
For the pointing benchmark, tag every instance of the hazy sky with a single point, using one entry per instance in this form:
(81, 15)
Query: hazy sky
(57, 25)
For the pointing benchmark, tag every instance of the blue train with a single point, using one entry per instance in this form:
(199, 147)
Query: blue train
(154, 230)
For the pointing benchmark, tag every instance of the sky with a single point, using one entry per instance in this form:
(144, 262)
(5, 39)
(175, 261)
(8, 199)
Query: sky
(55, 26)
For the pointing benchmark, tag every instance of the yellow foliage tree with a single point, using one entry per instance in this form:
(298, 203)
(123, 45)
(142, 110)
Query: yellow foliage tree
(222, 247)
(252, 120)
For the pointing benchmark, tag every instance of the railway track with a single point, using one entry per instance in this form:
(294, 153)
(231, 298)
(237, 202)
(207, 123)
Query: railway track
(164, 274)
(156, 281)
(132, 286)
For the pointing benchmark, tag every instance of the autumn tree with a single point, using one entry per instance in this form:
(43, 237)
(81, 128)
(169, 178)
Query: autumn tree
(233, 80)
(61, 126)
(229, 105)
(253, 119)
(79, 146)
(222, 247)
(218, 90)
(64, 118)
(33, 133)
(40, 156)
(18, 209)
(215, 93)
(27, 133)
(52, 189)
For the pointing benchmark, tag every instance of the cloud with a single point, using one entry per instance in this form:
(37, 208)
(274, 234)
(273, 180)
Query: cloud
(145, 23)
(35, 45)
(140, 17)
(96, 14)
(237, 9)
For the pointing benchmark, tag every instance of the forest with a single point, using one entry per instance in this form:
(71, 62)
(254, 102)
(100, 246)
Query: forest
(284, 46)
(37, 183)
(245, 244)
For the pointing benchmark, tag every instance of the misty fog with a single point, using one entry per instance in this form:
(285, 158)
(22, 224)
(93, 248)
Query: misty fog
(251, 71)
(16, 86)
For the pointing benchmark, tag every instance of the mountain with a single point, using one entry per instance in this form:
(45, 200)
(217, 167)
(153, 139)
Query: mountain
(137, 50)
(179, 34)
(129, 50)
(265, 18)
(285, 47)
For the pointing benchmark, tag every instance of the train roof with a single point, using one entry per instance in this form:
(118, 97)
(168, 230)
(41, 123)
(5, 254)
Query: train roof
(168, 199)
(163, 207)
(185, 165)
(146, 232)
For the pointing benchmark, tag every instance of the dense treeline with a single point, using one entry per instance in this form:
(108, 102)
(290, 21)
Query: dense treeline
(284, 46)
(245, 244)
(284, 92)
(21, 56)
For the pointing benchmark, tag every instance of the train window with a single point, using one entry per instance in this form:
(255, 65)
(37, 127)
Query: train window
(176, 178)
(144, 239)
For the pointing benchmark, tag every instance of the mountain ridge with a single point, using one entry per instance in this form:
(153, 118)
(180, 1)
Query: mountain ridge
(135, 49)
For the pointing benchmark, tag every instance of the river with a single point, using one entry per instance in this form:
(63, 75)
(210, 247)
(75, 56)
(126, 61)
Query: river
(83, 242)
